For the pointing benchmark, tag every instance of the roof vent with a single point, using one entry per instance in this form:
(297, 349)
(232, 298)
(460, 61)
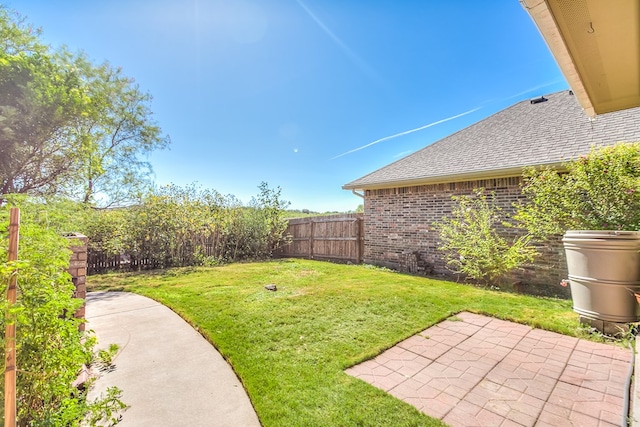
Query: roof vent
(538, 100)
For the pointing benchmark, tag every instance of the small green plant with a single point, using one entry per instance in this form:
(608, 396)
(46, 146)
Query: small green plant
(471, 244)
(599, 191)
(107, 410)
(104, 358)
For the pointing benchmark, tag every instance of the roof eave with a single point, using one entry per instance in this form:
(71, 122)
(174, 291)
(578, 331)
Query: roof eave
(469, 176)
(596, 46)
(545, 22)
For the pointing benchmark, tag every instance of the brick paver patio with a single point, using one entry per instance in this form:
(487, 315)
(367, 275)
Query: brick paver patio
(473, 370)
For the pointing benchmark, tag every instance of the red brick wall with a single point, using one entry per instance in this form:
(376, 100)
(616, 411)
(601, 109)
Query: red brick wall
(399, 232)
(78, 270)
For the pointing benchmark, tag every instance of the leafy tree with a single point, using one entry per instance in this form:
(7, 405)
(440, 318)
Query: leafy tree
(16, 35)
(39, 100)
(116, 130)
(68, 126)
(473, 246)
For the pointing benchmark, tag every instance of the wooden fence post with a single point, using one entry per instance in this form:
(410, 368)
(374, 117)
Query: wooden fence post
(359, 240)
(10, 329)
(311, 236)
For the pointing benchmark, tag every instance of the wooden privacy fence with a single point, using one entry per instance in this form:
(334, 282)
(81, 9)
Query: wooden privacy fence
(98, 262)
(331, 237)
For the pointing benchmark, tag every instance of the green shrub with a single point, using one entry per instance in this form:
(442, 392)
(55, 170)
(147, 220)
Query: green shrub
(50, 350)
(54, 213)
(599, 191)
(270, 223)
(182, 226)
(473, 247)
(107, 230)
(172, 226)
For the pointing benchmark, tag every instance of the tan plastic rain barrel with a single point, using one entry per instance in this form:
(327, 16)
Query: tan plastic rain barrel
(604, 273)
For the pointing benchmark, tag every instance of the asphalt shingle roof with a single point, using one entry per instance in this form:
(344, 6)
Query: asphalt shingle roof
(524, 134)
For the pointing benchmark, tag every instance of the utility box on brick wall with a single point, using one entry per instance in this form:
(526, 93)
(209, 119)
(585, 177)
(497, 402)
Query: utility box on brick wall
(78, 270)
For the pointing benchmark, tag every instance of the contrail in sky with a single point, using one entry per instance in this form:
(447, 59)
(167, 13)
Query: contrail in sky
(406, 132)
(350, 53)
(531, 89)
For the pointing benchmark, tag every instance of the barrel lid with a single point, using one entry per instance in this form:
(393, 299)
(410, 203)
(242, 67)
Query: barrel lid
(602, 234)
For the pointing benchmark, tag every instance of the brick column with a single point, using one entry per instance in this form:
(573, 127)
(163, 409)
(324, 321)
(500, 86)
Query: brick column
(78, 270)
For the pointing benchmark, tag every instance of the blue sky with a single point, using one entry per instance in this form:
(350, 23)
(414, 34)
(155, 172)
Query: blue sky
(306, 94)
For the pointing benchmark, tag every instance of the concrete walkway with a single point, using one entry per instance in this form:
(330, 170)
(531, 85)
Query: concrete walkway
(169, 374)
(474, 370)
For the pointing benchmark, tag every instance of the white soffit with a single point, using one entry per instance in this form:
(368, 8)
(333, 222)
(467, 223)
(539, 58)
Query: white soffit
(597, 46)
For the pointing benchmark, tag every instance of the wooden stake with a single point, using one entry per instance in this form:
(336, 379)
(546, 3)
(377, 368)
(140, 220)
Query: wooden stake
(10, 331)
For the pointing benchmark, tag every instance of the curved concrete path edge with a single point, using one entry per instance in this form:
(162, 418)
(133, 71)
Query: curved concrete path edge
(169, 374)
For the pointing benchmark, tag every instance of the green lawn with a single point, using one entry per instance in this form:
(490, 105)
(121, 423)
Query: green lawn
(290, 347)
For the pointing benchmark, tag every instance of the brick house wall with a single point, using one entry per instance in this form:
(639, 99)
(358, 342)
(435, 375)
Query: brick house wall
(399, 232)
